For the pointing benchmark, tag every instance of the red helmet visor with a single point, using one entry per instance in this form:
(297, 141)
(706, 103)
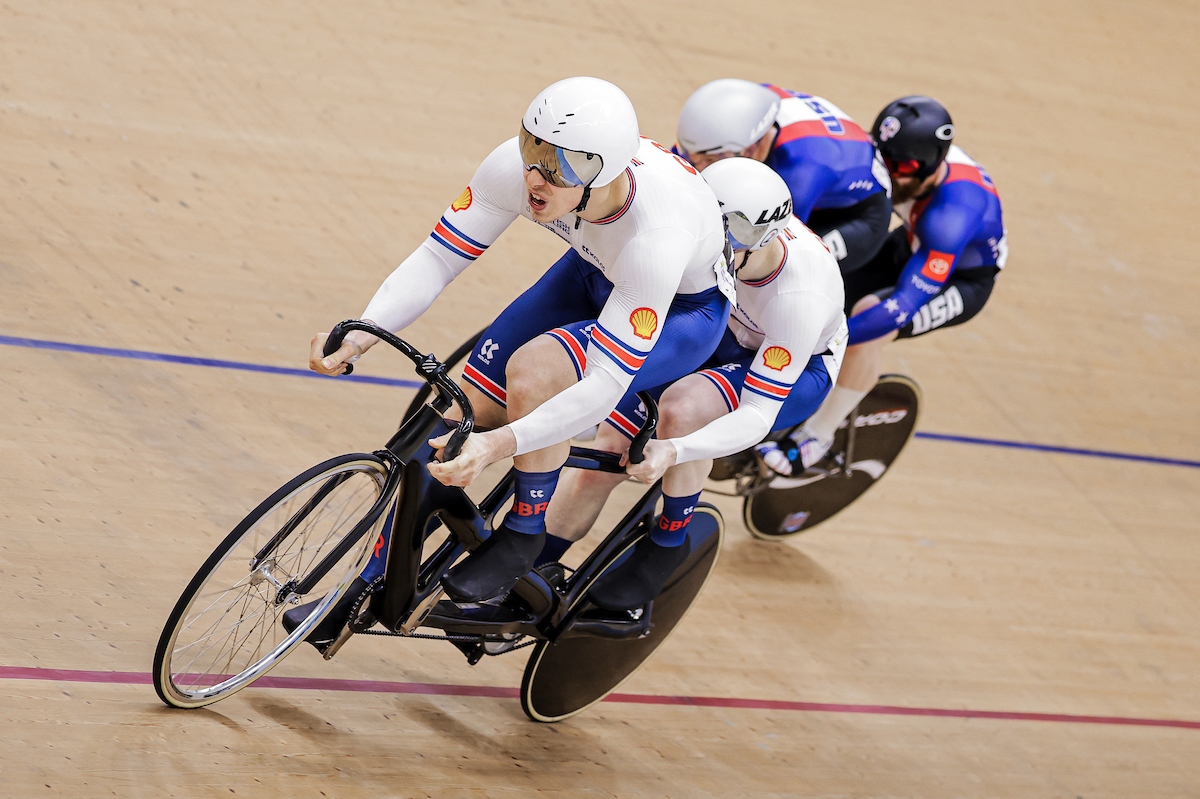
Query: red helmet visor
(905, 169)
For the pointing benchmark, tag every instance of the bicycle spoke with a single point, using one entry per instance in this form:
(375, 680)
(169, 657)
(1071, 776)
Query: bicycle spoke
(228, 630)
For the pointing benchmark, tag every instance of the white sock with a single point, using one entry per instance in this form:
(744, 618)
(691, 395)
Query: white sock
(836, 407)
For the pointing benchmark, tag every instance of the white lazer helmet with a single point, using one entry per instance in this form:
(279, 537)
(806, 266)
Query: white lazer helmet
(755, 201)
(726, 116)
(580, 132)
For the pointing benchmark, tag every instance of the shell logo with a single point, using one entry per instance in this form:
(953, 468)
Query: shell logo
(645, 322)
(776, 358)
(463, 202)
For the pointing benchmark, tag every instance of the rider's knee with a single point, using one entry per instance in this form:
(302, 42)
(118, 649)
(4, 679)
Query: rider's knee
(488, 413)
(534, 370)
(609, 439)
(682, 411)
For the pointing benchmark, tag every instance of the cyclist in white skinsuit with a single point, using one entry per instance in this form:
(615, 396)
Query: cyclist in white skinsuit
(778, 360)
(632, 304)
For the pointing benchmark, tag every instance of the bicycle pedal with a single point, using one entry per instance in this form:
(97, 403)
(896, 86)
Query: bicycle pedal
(509, 641)
(333, 648)
(473, 650)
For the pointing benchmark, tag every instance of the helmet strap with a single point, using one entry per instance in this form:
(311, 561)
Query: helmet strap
(587, 195)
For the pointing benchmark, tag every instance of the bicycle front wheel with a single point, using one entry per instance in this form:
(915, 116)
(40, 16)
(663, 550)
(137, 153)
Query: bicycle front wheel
(225, 631)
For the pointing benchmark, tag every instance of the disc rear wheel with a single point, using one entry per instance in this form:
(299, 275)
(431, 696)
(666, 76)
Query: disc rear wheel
(574, 673)
(884, 422)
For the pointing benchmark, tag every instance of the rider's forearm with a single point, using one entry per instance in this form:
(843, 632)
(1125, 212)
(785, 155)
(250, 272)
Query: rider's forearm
(733, 432)
(876, 321)
(413, 287)
(568, 413)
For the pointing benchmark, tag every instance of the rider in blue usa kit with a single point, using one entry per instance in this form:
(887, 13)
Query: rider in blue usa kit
(936, 270)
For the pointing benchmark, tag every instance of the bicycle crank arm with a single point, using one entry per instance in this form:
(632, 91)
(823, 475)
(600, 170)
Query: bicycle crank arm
(342, 638)
(421, 611)
(615, 625)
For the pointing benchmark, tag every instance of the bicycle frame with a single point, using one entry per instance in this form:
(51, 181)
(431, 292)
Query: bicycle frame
(414, 499)
(409, 583)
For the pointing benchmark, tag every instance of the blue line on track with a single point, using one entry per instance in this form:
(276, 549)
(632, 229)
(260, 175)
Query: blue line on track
(190, 361)
(1094, 453)
(14, 341)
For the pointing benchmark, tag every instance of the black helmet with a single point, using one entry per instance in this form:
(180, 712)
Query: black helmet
(913, 134)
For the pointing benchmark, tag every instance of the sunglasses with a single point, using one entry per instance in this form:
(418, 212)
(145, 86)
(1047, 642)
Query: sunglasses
(561, 167)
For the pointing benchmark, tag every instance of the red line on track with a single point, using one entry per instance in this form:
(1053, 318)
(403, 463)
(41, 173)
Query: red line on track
(433, 689)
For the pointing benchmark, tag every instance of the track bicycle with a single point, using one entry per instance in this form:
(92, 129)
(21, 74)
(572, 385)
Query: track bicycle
(313, 536)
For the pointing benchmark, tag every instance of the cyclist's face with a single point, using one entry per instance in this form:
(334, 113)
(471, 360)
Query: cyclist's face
(908, 187)
(548, 202)
(758, 151)
(704, 160)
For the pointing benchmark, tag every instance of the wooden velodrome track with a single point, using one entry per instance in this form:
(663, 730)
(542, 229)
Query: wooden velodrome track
(220, 181)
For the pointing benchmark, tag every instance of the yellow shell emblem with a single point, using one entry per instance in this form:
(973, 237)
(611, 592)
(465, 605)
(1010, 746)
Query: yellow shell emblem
(644, 321)
(463, 202)
(776, 358)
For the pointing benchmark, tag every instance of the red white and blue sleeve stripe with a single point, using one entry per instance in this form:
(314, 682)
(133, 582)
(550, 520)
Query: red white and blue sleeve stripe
(766, 387)
(624, 356)
(456, 241)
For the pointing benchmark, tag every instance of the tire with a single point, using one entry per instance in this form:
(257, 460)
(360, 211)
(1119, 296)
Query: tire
(569, 676)
(225, 631)
(456, 357)
(885, 421)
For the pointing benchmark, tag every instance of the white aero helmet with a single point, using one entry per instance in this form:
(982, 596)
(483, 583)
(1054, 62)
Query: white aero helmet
(580, 132)
(726, 116)
(755, 201)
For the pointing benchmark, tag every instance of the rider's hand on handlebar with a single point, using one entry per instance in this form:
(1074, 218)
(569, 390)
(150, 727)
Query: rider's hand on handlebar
(335, 364)
(660, 456)
(479, 451)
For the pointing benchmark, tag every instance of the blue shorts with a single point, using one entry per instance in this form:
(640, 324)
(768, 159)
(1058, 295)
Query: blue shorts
(565, 303)
(726, 370)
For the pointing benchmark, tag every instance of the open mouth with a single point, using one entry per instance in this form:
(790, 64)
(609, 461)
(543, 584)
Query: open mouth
(535, 202)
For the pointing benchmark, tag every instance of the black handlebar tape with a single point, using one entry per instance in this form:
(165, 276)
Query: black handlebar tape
(638, 445)
(644, 434)
(334, 343)
(454, 446)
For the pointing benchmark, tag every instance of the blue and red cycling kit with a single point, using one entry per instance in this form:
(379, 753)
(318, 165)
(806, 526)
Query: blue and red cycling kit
(953, 245)
(838, 182)
(822, 154)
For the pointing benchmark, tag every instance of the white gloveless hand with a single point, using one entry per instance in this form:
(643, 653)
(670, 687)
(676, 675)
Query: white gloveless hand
(659, 456)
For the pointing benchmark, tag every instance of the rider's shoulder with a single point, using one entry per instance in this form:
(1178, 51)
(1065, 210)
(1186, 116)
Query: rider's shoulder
(963, 172)
(500, 178)
(803, 244)
(504, 162)
(667, 192)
